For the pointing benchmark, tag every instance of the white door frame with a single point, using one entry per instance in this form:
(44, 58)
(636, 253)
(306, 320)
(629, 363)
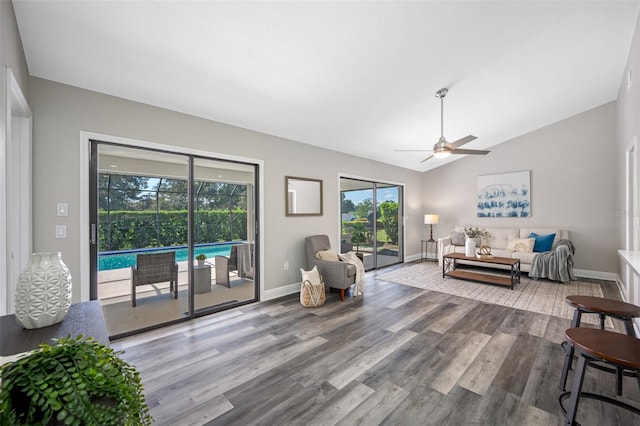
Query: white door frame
(631, 288)
(16, 240)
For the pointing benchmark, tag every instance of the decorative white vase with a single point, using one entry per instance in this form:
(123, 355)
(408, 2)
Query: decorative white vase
(43, 292)
(470, 247)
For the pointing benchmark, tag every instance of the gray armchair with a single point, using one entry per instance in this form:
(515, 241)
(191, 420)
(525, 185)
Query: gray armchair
(339, 275)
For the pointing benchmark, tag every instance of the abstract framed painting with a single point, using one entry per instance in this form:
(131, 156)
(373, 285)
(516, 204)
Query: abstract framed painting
(505, 194)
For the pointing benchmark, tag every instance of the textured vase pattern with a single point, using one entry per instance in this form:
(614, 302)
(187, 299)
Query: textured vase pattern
(43, 293)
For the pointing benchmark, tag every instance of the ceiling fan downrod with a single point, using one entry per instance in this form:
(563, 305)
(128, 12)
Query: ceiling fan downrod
(441, 94)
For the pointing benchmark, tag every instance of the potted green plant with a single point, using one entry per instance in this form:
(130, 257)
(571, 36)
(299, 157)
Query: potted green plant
(75, 381)
(201, 258)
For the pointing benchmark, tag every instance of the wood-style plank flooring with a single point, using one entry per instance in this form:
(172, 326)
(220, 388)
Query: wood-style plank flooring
(396, 356)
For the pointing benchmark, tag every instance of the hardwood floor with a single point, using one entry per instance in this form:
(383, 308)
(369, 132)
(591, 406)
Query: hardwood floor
(396, 356)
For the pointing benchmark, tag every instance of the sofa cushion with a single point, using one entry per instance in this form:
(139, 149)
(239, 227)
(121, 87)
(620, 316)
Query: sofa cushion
(521, 244)
(499, 237)
(501, 253)
(525, 257)
(457, 238)
(543, 242)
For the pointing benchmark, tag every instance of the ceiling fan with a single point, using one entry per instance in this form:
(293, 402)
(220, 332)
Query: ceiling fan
(442, 148)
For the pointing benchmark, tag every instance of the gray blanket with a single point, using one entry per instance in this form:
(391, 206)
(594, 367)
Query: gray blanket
(556, 265)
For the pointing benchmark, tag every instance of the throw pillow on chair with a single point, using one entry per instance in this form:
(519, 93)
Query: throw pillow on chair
(312, 289)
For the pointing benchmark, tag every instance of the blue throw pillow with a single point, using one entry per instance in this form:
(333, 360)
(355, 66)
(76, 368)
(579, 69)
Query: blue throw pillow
(543, 242)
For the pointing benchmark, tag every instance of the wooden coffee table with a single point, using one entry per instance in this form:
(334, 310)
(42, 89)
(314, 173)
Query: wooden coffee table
(449, 269)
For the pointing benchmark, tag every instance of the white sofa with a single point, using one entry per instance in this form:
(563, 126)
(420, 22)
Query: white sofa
(498, 239)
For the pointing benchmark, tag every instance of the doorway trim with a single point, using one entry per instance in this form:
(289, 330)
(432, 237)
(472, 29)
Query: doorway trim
(16, 239)
(85, 138)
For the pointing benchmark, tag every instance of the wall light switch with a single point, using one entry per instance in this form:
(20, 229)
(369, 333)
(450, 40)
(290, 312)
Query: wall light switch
(63, 209)
(61, 231)
(286, 265)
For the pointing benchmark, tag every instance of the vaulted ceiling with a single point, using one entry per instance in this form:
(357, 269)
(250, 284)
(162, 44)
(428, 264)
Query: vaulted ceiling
(355, 77)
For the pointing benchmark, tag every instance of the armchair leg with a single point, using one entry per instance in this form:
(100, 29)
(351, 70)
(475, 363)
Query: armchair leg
(342, 294)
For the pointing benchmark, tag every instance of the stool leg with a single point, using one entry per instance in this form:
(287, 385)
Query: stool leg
(578, 378)
(619, 380)
(568, 353)
(568, 358)
(628, 325)
(577, 316)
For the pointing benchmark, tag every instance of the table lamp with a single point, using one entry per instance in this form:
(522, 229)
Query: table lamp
(431, 219)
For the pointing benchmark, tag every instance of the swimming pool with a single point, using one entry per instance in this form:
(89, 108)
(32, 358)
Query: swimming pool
(124, 259)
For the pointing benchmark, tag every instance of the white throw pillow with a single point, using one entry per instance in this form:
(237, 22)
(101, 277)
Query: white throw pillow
(327, 255)
(521, 244)
(313, 276)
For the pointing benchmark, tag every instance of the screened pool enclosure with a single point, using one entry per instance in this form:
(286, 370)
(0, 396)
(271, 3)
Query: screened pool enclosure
(138, 212)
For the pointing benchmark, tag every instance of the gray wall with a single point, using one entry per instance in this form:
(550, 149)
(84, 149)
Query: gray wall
(573, 180)
(61, 112)
(11, 54)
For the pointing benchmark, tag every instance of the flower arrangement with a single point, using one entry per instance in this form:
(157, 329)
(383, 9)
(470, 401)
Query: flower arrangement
(201, 256)
(474, 232)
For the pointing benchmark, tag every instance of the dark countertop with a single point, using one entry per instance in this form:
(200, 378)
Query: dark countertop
(84, 318)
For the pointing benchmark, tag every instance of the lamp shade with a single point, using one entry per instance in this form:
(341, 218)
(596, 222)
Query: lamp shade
(430, 219)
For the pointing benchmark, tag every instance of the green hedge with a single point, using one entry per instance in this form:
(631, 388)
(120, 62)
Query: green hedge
(123, 230)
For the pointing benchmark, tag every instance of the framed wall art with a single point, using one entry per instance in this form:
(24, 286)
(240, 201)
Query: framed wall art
(505, 194)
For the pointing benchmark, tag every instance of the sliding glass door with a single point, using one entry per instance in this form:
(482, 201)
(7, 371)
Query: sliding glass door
(154, 214)
(388, 230)
(371, 218)
(224, 233)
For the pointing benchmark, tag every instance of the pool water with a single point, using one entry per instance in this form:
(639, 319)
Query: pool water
(125, 259)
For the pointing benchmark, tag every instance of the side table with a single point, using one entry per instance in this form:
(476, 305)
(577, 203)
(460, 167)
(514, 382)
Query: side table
(202, 278)
(84, 318)
(424, 250)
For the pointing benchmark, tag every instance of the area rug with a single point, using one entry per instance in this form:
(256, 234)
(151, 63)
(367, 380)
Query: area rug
(541, 296)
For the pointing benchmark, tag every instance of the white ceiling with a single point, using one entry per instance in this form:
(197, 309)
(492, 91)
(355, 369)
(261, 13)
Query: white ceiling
(356, 77)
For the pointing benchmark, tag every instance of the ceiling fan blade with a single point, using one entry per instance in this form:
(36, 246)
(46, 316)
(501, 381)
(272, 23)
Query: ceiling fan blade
(431, 156)
(462, 141)
(470, 151)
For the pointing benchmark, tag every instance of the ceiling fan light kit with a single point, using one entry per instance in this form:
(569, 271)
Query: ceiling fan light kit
(442, 148)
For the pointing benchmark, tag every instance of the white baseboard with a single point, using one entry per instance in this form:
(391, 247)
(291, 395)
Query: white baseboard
(280, 291)
(596, 275)
(412, 258)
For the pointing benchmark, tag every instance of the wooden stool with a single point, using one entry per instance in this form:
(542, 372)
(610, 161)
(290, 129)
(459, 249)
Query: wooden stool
(622, 351)
(625, 312)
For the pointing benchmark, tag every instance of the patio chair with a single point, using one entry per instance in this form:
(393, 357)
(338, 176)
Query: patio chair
(154, 268)
(240, 259)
